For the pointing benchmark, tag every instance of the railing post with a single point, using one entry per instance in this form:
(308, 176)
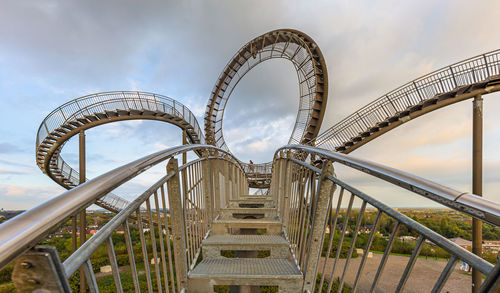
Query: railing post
(208, 189)
(177, 218)
(325, 189)
(234, 176)
(287, 183)
(215, 170)
(227, 171)
(280, 187)
(242, 184)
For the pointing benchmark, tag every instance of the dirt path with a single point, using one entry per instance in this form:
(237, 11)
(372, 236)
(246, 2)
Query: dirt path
(422, 279)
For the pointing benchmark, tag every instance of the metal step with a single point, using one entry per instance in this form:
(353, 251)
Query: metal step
(246, 203)
(255, 197)
(245, 271)
(224, 227)
(276, 244)
(239, 213)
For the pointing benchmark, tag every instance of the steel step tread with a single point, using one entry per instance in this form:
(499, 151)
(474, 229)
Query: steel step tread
(246, 268)
(245, 240)
(252, 221)
(249, 210)
(251, 199)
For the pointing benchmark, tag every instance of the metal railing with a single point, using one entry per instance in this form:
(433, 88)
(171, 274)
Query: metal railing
(193, 196)
(467, 72)
(307, 193)
(311, 70)
(101, 103)
(112, 101)
(310, 67)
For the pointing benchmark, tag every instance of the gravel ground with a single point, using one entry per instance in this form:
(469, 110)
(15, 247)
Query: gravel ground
(422, 279)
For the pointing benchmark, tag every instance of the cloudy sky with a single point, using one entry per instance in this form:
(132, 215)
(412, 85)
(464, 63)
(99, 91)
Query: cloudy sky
(55, 51)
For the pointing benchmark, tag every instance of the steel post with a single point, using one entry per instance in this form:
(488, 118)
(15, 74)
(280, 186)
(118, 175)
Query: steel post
(320, 219)
(177, 218)
(287, 192)
(477, 182)
(215, 168)
(226, 171)
(83, 213)
(208, 190)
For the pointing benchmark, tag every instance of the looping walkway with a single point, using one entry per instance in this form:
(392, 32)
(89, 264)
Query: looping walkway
(90, 111)
(478, 75)
(310, 65)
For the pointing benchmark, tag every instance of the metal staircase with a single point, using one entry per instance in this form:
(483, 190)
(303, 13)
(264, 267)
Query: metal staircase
(245, 237)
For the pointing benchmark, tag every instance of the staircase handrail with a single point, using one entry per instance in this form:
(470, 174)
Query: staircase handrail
(471, 204)
(27, 229)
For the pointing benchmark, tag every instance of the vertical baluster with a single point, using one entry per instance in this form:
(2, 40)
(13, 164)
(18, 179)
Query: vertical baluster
(114, 264)
(308, 215)
(167, 232)
(383, 261)
(341, 240)
(353, 245)
(153, 244)
(445, 274)
(367, 249)
(131, 257)
(196, 207)
(162, 245)
(333, 226)
(144, 250)
(303, 215)
(186, 216)
(411, 263)
(90, 277)
(296, 208)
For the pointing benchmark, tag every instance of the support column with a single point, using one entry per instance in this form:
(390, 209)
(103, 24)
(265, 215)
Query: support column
(325, 189)
(184, 161)
(177, 218)
(234, 180)
(477, 183)
(215, 169)
(287, 191)
(83, 213)
(226, 170)
(208, 189)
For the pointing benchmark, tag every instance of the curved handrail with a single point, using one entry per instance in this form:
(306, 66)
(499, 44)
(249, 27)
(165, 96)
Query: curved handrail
(25, 230)
(440, 84)
(468, 203)
(312, 74)
(65, 121)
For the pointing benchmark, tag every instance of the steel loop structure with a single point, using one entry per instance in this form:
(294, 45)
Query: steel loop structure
(478, 75)
(309, 64)
(90, 111)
